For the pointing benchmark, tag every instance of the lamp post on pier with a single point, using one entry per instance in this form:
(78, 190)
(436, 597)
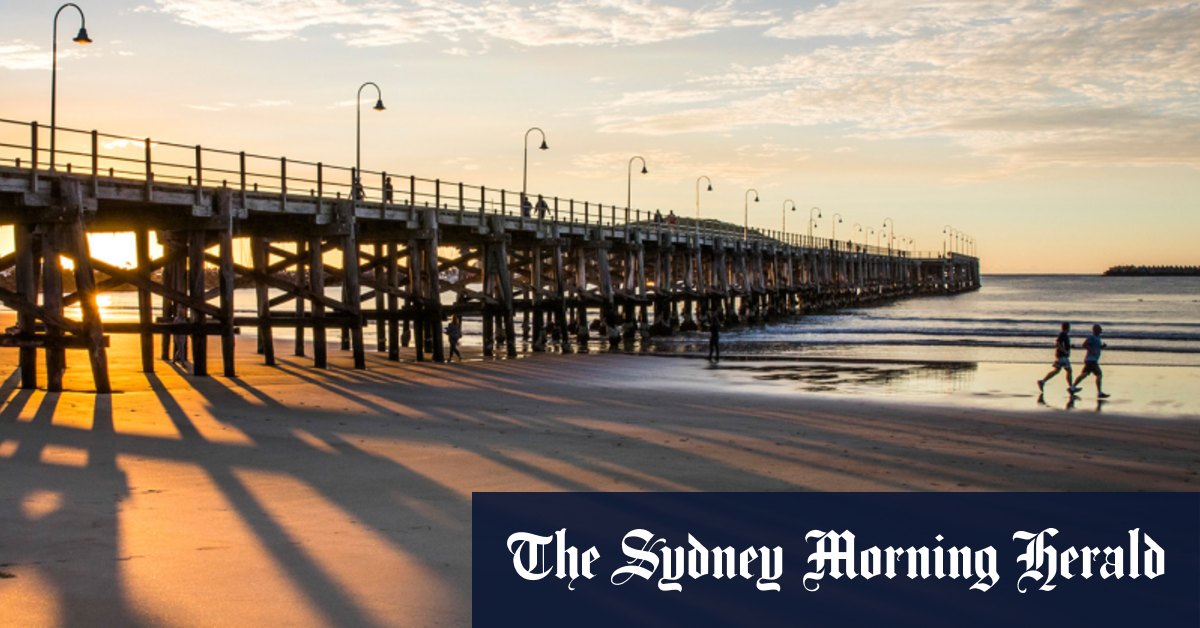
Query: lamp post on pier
(525, 167)
(833, 225)
(80, 38)
(629, 184)
(698, 203)
(356, 190)
(746, 214)
(891, 226)
(858, 228)
(947, 247)
(783, 227)
(812, 222)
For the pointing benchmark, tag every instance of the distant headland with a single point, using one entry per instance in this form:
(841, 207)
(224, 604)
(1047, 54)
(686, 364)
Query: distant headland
(1153, 271)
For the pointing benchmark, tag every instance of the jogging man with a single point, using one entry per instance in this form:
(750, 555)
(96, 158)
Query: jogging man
(1091, 361)
(1062, 359)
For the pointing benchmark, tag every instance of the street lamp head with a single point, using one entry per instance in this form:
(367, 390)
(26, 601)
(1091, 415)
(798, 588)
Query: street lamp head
(710, 187)
(644, 171)
(756, 198)
(839, 220)
(82, 37)
(379, 105)
(543, 146)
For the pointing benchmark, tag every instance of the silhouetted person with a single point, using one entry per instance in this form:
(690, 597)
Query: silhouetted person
(387, 190)
(542, 208)
(714, 337)
(658, 217)
(1091, 361)
(453, 334)
(526, 207)
(1062, 359)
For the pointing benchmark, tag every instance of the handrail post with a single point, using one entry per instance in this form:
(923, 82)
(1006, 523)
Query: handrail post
(320, 186)
(412, 192)
(503, 204)
(437, 195)
(482, 203)
(462, 206)
(33, 163)
(199, 176)
(555, 210)
(242, 170)
(149, 173)
(384, 201)
(95, 163)
(283, 184)
(571, 209)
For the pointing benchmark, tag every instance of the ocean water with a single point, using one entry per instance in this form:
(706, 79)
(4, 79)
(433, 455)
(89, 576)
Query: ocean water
(1147, 321)
(985, 348)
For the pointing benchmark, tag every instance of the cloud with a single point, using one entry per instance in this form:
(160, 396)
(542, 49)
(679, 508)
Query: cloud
(18, 55)
(257, 104)
(1032, 83)
(394, 22)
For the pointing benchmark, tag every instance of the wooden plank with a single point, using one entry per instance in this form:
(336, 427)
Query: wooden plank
(52, 293)
(25, 298)
(393, 301)
(145, 307)
(316, 280)
(266, 343)
(197, 240)
(301, 279)
(93, 330)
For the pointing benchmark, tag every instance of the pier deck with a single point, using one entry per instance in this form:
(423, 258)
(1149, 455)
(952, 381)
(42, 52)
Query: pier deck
(407, 252)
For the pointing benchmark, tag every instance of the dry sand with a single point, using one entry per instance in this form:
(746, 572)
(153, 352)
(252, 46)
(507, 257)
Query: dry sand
(291, 496)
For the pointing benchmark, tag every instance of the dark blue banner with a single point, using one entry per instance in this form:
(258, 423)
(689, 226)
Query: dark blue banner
(836, 559)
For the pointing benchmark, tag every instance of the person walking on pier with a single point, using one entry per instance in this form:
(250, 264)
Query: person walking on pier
(453, 334)
(526, 207)
(387, 190)
(1062, 359)
(1091, 361)
(542, 208)
(714, 337)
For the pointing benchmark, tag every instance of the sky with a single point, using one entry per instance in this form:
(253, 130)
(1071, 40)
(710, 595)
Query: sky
(1063, 135)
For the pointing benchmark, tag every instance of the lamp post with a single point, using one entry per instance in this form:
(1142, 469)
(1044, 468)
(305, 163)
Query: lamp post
(812, 221)
(525, 168)
(833, 224)
(947, 231)
(80, 38)
(858, 228)
(629, 184)
(698, 203)
(357, 185)
(891, 225)
(783, 227)
(746, 214)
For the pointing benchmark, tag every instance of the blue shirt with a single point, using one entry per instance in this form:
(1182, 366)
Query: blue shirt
(1093, 344)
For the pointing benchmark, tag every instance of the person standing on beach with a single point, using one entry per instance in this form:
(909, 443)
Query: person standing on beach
(1091, 361)
(1062, 359)
(453, 333)
(714, 337)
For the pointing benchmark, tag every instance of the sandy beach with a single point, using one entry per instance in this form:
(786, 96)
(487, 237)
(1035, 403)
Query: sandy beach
(292, 496)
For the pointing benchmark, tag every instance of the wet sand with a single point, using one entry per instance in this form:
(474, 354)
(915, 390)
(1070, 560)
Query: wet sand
(291, 496)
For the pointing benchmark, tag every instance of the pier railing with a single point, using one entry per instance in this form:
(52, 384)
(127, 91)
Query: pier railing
(110, 156)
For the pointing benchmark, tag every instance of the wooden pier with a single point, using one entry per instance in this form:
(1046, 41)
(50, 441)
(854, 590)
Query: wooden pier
(406, 252)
